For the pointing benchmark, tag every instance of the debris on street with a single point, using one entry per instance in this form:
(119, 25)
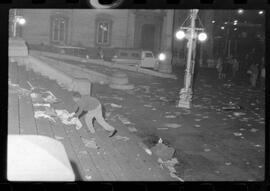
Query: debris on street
(237, 134)
(169, 164)
(90, 143)
(115, 105)
(118, 137)
(173, 125)
(162, 151)
(43, 114)
(64, 116)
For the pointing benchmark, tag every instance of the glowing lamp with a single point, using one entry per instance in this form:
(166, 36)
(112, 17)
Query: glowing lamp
(202, 36)
(180, 35)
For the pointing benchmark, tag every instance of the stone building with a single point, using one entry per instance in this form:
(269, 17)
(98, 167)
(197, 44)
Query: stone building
(146, 29)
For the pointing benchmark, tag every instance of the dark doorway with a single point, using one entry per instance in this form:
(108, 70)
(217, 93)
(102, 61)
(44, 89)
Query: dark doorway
(148, 37)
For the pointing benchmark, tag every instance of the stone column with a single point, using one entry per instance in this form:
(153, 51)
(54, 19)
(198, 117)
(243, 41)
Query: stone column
(167, 37)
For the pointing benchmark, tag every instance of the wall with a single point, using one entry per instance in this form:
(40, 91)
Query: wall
(37, 27)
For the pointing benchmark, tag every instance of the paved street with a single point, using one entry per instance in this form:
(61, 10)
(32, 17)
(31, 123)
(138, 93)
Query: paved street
(210, 143)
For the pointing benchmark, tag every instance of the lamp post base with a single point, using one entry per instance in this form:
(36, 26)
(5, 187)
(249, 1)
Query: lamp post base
(185, 98)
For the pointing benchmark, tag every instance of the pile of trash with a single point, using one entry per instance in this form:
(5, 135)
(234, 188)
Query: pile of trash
(43, 99)
(165, 158)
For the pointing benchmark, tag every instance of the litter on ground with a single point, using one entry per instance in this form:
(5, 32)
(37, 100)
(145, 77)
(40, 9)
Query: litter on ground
(64, 116)
(90, 143)
(173, 125)
(115, 105)
(118, 137)
(43, 114)
(237, 134)
(169, 164)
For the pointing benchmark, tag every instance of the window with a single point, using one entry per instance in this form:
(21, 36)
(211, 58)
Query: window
(136, 55)
(103, 32)
(148, 55)
(58, 30)
(124, 54)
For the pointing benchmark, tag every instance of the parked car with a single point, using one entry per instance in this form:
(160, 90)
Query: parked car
(139, 58)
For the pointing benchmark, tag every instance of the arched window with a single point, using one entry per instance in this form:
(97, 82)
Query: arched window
(59, 29)
(103, 31)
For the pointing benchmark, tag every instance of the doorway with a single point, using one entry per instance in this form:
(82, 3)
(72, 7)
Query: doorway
(148, 37)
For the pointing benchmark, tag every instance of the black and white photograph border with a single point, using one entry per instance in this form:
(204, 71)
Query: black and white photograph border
(136, 95)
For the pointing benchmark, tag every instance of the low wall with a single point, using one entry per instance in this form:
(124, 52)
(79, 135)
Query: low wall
(81, 85)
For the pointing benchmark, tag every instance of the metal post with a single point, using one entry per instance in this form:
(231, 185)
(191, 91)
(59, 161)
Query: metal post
(186, 91)
(14, 24)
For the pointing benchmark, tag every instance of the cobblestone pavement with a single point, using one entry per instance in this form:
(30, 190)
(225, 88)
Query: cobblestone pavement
(210, 143)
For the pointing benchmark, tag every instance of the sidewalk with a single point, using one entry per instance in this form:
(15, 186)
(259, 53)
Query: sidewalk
(120, 158)
(105, 63)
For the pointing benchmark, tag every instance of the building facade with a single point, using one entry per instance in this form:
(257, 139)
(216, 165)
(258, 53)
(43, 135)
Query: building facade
(146, 29)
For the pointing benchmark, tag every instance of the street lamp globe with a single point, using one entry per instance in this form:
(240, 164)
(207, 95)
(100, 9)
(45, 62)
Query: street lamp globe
(202, 36)
(21, 21)
(180, 35)
(161, 56)
(240, 11)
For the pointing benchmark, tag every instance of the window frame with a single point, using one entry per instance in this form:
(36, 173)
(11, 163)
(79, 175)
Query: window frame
(56, 22)
(108, 22)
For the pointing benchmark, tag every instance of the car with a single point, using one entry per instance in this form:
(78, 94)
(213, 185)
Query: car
(138, 58)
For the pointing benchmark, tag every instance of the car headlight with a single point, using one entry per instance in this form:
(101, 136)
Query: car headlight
(162, 56)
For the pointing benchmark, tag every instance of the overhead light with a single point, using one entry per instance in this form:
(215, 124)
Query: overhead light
(202, 36)
(260, 12)
(180, 34)
(240, 11)
(235, 29)
(226, 23)
(21, 20)
(213, 22)
(161, 56)
(235, 23)
(222, 27)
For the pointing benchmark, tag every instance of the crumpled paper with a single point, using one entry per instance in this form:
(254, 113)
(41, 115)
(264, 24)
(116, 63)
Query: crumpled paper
(169, 164)
(43, 114)
(64, 116)
(90, 143)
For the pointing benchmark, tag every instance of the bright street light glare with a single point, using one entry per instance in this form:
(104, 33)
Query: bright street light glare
(240, 11)
(21, 21)
(222, 28)
(180, 35)
(260, 12)
(213, 21)
(202, 36)
(161, 56)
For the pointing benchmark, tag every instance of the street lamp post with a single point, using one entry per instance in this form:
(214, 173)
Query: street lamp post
(186, 92)
(17, 19)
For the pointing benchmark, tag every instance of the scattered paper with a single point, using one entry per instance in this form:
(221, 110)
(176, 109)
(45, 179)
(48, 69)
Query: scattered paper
(237, 134)
(64, 116)
(237, 114)
(115, 105)
(173, 125)
(169, 164)
(90, 143)
(132, 129)
(228, 163)
(42, 104)
(253, 130)
(118, 137)
(170, 116)
(43, 114)
(88, 177)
